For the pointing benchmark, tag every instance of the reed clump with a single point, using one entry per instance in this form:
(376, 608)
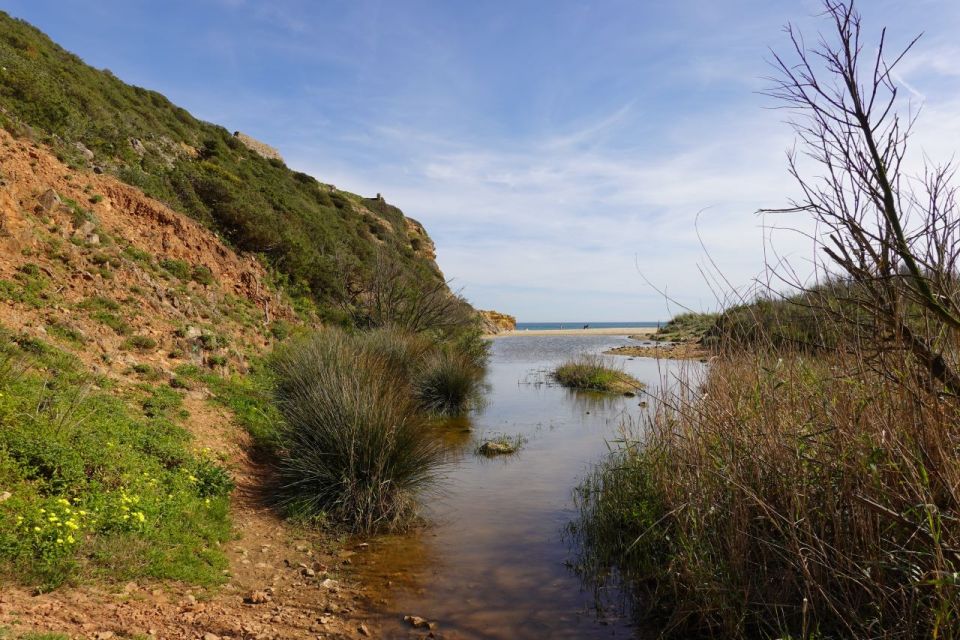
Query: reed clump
(788, 496)
(355, 447)
(594, 373)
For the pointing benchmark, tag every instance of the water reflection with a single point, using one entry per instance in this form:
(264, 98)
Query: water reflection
(493, 563)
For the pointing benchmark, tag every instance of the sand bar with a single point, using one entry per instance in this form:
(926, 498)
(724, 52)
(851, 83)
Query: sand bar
(599, 331)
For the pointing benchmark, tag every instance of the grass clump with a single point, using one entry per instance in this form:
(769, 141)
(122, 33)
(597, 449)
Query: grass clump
(140, 343)
(594, 373)
(355, 449)
(447, 383)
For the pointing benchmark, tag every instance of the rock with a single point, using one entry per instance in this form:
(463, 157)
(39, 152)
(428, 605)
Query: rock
(137, 146)
(97, 169)
(86, 153)
(257, 597)
(49, 200)
(491, 448)
(364, 630)
(494, 322)
(420, 623)
(330, 583)
(103, 635)
(84, 229)
(307, 571)
(5, 495)
(211, 636)
(260, 148)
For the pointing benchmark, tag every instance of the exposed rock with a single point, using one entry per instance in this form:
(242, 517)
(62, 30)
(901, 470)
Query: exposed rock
(494, 322)
(49, 200)
(420, 623)
(257, 597)
(86, 153)
(137, 146)
(494, 448)
(420, 242)
(260, 148)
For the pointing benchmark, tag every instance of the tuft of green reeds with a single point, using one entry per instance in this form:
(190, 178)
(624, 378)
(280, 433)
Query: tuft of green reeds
(356, 448)
(594, 373)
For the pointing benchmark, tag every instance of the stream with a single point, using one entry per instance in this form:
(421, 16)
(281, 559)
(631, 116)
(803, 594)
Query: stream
(494, 562)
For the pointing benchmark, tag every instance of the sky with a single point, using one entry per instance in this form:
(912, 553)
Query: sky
(573, 160)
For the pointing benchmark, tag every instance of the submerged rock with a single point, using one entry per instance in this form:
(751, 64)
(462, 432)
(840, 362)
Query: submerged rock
(495, 448)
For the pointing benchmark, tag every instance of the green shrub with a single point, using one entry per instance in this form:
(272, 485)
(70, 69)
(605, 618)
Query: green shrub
(178, 268)
(140, 343)
(202, 275)
(355, 449)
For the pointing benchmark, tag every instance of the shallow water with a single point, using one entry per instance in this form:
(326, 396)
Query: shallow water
(494, 562)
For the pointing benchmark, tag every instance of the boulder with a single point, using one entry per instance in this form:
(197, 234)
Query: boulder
(49, 200)
(494, 448)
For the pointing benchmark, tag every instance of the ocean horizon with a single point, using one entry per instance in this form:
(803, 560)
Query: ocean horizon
(547, 326)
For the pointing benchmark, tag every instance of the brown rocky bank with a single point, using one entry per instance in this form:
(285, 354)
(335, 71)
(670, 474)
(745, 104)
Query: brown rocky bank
(282, 582)
(494, 322)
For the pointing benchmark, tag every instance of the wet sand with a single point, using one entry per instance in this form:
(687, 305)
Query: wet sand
(600, 331)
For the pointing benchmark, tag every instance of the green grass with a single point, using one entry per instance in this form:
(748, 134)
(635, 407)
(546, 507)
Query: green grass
(594, 373)
(140, 343)
(100, 486)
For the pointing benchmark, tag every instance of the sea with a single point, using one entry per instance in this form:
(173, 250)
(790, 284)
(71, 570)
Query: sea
(546, 326)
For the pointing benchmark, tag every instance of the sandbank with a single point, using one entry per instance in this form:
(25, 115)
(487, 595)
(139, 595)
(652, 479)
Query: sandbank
(598, 331)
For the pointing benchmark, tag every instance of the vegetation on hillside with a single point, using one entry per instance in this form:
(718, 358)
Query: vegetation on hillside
(322, 242)
(807, 488)
(685, 327)
(95, 483)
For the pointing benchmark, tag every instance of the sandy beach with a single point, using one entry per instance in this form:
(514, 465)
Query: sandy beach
(602, 331)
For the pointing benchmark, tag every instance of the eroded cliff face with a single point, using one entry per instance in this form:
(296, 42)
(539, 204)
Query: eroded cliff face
(494, 322)
(85, 256)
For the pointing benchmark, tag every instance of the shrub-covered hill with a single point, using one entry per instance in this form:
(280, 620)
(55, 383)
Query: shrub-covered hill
(323, 242)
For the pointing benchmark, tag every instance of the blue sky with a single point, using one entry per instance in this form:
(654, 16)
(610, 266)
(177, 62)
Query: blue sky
(562, 154)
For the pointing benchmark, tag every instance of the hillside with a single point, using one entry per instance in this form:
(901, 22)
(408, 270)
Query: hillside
(123, 325)
(322, 243)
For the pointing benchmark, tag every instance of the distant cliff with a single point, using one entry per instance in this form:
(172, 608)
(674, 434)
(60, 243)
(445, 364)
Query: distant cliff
(495, 322)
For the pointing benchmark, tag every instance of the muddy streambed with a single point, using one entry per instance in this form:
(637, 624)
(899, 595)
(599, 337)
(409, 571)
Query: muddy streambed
(495, 562)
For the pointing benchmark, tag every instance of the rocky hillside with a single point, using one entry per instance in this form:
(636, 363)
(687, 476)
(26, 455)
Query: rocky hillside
(323, 243)
(127, 309)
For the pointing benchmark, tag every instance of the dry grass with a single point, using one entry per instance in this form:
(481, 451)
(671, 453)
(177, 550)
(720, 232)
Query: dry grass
(788, 496)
